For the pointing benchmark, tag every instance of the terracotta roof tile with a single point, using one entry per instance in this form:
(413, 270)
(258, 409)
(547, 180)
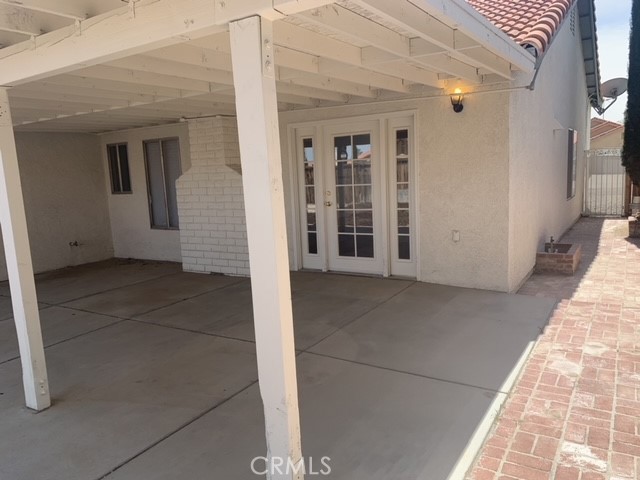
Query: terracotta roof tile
(528, 22)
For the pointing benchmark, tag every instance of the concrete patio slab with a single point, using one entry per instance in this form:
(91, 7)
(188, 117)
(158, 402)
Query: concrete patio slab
(58, 324)
(154, 396)
(115, 392)
(227, 312)
(142, 297)
(372, 423)
(75, 282)
(6, 310)
(375, 289)
(459, 335)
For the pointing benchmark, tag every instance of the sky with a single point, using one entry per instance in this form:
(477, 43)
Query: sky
(612, 19)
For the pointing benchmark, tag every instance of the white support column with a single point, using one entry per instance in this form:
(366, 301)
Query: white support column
(256, 106)
(19, 267)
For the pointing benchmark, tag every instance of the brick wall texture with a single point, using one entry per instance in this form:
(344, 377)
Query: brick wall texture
(213, 234)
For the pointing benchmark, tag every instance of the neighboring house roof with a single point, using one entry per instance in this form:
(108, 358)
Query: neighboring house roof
(534, 23)
(528, 22)
(601, 127)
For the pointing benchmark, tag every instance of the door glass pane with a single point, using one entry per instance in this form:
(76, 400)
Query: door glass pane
(365, 245)
(343, 149)
(309, 174)
(344, 172)
(362, 172)
(172, 171)
(402, 189)
(404, 246)
(346, 246)
(364, 221)
(345, 221)
(362, 145)
(313, 242)
(362, 196)
(156, 184)
(354, 195)
(308, 161)
(344, 197)
(311, 197)
(307, 146)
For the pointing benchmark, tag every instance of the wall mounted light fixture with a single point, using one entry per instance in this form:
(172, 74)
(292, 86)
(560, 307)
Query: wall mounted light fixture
(456, 100)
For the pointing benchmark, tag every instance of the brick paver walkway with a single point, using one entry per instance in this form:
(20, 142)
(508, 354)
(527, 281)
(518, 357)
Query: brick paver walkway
(574, 413)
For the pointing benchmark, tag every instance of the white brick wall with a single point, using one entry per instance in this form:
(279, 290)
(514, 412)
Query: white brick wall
(213, 234)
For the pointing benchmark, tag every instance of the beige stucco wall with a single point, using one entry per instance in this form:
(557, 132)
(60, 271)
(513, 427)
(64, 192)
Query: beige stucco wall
(62, 182)
(131, 229)
(462, 185)
(611, 140)
(539, 123)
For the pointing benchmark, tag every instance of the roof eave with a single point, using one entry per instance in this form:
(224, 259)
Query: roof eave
(589, 37)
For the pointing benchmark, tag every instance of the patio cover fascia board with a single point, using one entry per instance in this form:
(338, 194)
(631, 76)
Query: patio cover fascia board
(147, 25)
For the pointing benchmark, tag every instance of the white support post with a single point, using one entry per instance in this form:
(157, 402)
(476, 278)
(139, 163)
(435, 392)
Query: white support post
(256, 106)
(19, 267)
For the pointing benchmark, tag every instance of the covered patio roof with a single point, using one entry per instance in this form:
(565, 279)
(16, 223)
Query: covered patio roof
(108, 65)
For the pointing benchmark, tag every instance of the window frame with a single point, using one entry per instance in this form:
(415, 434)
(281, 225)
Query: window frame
(572, 163)
(164, 181)
(111, 172)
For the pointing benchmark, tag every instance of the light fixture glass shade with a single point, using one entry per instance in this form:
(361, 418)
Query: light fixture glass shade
(456, 100)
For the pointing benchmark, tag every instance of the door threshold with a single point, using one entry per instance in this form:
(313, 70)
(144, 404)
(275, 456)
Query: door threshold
(356, 274)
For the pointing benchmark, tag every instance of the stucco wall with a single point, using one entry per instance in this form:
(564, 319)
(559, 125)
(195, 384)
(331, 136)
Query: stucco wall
(130, 224)
(540, 119)
(611, 140)
(462, 185)
(63, 185)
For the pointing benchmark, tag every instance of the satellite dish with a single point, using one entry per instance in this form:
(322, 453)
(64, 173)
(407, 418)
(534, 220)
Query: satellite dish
(614, 88)
(611, 89)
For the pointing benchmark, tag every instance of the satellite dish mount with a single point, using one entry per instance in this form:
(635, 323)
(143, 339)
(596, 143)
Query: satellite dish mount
(612, 89)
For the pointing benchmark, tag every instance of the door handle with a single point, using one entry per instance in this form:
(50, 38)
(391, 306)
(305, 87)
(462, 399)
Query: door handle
(327, 203)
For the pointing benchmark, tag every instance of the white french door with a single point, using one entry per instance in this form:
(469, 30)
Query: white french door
(352, 198)
(356, 196)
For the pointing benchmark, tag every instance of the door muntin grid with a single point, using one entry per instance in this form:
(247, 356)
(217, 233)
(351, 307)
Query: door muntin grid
(354, 195)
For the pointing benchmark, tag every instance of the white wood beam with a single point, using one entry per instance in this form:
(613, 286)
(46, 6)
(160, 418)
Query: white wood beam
(19, 21)
(143, 77)
(434, 37)
(116, 87)
(303, 40)
(73, 9)
(285, 75)
(142, 26)
(154, 24)
(48, 96)
(51, 89)
(344, 21)
(458, 14)
(254, 77)
(19, 267)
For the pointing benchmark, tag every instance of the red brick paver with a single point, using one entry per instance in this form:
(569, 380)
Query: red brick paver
(574, 413)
